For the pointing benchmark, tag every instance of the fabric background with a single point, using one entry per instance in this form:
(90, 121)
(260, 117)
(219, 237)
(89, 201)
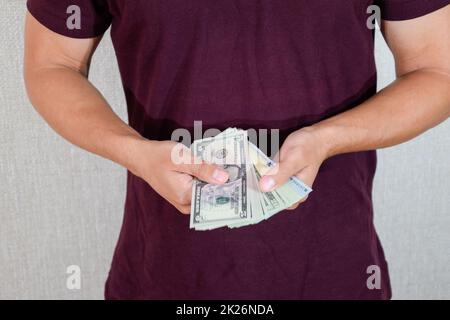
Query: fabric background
(60, 206)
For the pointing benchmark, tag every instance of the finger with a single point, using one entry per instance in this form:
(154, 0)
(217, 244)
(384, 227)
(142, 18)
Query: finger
(308, 174)
(297, 204)
(183, 199)
(303, 200)
(276, 158)
(278, 175)
(186, 162)
(294, 206)
(183, 209)
(209, 173)
(181, 188)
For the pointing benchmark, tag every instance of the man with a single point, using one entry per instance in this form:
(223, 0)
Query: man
(304, 67)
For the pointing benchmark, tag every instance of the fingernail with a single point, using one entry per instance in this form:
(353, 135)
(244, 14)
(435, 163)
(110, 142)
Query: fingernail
(268, 184)
(220, 175)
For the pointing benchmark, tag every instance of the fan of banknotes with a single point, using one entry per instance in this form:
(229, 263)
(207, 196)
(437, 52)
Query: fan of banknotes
(239, 202)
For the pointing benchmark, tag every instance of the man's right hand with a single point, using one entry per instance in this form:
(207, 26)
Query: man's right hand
(169, 168)
(55, 64)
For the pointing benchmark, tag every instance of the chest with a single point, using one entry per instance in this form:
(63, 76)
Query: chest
(225, 16)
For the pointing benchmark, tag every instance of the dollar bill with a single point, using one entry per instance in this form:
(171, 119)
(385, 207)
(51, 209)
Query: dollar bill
(239, 202)
(219, 205)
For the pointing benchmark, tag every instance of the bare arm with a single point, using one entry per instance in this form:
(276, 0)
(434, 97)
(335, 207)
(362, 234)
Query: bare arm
(56, 70)
(418, 100)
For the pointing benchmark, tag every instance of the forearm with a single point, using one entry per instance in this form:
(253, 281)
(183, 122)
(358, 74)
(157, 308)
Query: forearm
(73, 107)
(408, 107)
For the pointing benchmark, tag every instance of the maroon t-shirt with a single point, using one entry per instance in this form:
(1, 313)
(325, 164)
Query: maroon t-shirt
(259, 64)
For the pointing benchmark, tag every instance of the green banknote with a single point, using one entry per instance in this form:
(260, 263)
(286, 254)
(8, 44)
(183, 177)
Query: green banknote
(239, 202)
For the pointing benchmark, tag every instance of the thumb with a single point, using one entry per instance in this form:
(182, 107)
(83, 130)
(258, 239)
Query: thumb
(186, 162)
(209, 173)
(277, 176)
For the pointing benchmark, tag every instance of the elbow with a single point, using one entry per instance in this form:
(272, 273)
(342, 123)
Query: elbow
(30, 81)
(34, 81)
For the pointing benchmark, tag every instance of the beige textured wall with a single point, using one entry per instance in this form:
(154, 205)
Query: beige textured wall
(60, 206)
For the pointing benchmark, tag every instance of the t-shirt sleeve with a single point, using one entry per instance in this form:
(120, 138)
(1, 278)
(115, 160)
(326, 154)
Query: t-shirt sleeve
(72, 18)
(396, 10)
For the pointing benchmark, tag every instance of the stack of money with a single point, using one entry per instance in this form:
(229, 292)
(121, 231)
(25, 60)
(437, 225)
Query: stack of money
(239, 202)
